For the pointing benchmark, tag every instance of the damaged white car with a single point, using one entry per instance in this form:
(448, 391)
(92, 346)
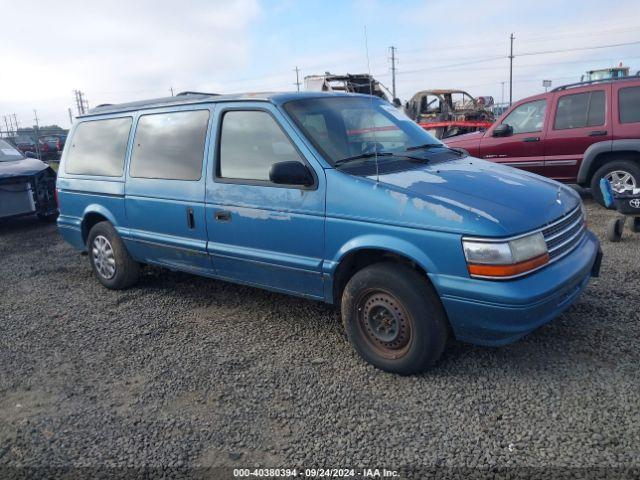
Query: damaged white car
(27, 185)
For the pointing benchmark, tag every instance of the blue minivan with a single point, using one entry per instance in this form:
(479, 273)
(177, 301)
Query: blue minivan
(333, 197)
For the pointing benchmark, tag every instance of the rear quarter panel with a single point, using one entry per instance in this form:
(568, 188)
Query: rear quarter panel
(80, 195)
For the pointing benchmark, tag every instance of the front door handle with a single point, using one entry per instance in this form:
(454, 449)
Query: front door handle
(222, 215)
(531, 139)
(597, 133)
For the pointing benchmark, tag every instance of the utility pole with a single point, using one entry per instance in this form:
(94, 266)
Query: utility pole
(393, 72)
(297, 84)
(171, 90)
(511, 70)
(37, 133)
(502, 101)
(15, 121)
(81, 103)
(70, 117)
(78, 105)
(6, 125)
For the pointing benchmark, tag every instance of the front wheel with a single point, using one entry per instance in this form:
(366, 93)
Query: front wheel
(110, 259)
(394, 318)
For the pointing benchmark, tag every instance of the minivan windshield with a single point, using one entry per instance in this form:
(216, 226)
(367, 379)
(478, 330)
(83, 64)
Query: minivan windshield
(344, 127)
(8, 152)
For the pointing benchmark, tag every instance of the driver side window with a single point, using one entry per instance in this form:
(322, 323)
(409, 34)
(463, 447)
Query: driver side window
(527, 118)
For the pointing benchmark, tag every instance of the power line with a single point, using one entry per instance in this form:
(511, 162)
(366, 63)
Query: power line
(565, 34)
(595, 47)
(536, 39)
(444, 67)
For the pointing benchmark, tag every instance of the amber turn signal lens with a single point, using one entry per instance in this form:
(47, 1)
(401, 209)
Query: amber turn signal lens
(503, 271)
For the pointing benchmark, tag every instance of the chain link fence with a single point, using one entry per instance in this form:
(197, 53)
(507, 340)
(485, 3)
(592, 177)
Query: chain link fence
(45, 143)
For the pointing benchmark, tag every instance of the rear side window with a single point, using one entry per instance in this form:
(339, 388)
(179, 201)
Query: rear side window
(250, 142)
(580, 110)
(98, 148)
(629, 104)
(170, 146)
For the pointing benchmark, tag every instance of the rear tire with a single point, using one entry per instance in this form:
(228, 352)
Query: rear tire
(614, 229)
(624, 167)
(394, 318)
(635, 225)
(109, 258)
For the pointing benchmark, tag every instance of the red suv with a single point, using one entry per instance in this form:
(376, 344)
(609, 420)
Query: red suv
(577, 133)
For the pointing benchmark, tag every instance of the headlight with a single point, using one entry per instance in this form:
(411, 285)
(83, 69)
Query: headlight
(512, 258)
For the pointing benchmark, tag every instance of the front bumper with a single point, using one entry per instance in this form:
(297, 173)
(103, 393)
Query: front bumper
(497, 313)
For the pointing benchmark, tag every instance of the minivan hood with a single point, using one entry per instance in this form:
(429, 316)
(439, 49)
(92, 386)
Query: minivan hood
(511, 201)
(21, 168)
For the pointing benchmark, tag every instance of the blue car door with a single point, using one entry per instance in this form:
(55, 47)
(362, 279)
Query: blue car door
(261, 233)
(165, 188)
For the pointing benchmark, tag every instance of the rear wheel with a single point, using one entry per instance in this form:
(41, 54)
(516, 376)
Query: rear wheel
(394, 318)
(110, 259)
(635, 225)
(624, 176)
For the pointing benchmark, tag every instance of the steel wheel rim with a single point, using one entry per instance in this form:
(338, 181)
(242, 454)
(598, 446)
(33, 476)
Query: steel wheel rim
(621, 181)
(384, 324)
(103, 257)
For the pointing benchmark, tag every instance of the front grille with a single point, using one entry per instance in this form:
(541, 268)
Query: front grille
(564, 234)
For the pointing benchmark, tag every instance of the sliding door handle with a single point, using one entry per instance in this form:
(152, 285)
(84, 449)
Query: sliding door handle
(531, 139)
(191, 219)
(597, 133)
(222, 215)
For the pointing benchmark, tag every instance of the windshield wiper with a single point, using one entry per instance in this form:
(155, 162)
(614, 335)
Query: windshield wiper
(362, 156)
(424, 146)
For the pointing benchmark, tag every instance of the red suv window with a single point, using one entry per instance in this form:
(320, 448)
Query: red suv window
(527, 118)
(629, 104)
(580, 110)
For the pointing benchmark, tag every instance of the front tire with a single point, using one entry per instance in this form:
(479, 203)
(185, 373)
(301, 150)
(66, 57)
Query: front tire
(394, 318)
(624, 176)
(110, 259)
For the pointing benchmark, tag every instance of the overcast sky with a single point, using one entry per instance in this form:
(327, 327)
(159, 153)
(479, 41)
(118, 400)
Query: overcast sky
(118, 51)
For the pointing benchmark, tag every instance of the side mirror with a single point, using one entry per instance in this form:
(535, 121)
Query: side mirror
(397, 102)
(502, 130)
(290, 173)
(30, 155)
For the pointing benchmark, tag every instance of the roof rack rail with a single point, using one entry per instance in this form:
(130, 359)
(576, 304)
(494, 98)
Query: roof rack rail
(188, 92)
(591, 82)
(104, 105)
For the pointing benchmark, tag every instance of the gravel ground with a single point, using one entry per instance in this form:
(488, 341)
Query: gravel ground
(182, 372)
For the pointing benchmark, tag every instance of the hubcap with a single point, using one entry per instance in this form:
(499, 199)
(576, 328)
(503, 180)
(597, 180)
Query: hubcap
(385, 324)
(621, 181)
(103, 258)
